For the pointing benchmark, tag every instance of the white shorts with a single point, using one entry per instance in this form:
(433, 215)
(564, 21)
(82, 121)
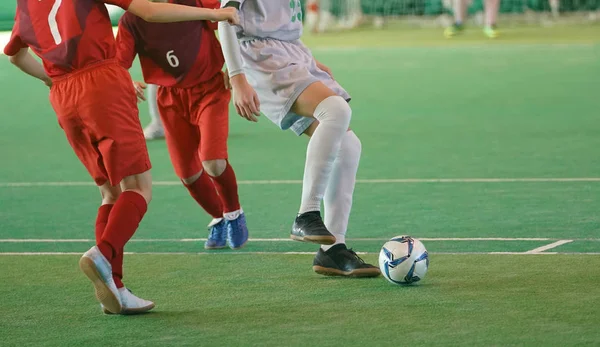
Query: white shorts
(280, 71)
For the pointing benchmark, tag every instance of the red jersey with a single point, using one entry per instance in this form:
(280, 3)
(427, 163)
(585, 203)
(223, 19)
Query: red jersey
(66, 34)
(180, 55)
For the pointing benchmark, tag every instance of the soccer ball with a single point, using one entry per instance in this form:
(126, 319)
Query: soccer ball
(403, 260)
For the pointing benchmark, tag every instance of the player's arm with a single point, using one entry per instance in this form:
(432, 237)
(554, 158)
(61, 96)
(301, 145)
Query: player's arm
(126, 53)
(214, 4)
(27, 63)
(166, 12)
(245, 98)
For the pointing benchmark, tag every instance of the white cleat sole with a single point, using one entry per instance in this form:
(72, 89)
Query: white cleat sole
(103, 293)
(130, 311)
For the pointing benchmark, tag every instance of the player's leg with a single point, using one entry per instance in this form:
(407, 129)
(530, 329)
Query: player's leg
(154, 130)
(459, 8)
(183, 139)
(109, 194)
(203, 190)
(326, 18)
(117, 139)
(333, 113)
(555, 8)
(125, 216)
(211, 106)
(491, 14)
(353, 14)
(64, 97)
(337, 259)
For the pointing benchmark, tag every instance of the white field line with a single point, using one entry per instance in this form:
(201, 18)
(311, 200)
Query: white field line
(287, 253)
(466, 46)
(433, 239)
(548, 246)
(360, 181)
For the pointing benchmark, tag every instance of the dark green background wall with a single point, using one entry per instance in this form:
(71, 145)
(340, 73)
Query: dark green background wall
(396, 7)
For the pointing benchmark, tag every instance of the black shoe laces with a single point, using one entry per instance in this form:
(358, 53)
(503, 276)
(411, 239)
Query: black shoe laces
(313, 222)
(351, 251)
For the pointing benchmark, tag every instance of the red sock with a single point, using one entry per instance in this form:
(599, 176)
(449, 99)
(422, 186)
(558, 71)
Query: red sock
(117, 269)
(123, 221)
(204, 192)
(101, 220)
(226, 185)
(117, 262)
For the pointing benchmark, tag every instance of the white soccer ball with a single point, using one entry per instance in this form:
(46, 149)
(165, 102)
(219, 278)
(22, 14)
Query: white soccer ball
(403, 260)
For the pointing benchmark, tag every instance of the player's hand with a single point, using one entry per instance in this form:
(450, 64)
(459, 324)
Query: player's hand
(228, 14)
(48, 82)
(325, 68)
(139, 90)
(245, 98)
(226, 80)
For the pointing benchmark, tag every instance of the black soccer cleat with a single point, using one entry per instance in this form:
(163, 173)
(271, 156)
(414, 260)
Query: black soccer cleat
(309, 227)
(341, 261)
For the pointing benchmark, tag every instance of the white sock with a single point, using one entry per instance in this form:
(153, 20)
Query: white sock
(232, 215)
(338, 196)
(333, 115)
(152, 103)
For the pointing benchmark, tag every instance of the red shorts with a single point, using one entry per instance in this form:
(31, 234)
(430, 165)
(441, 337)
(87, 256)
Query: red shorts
(97, 108)
(196, 123)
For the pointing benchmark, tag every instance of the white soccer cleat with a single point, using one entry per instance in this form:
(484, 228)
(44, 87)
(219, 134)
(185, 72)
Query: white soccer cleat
(97, 268)
(154, 131)
(131, 304)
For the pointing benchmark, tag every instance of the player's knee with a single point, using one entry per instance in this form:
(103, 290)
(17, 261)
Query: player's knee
(109, 194)
(354, 142)
(189, 180)
(334, 109)
(215, 167)
(140, 183)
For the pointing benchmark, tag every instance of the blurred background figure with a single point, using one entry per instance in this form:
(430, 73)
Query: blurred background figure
(154, 130)
(325, 15)
(460, 7)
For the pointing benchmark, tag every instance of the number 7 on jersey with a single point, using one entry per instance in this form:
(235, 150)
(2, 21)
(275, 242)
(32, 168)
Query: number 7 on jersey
(52, 22)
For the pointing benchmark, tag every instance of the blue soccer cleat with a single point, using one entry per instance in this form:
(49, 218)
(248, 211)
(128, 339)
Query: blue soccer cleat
(237, 232)
(217, 238)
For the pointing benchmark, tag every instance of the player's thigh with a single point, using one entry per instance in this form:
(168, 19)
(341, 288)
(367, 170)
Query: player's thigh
(307, 102)
(182, 136)
(140, 183)
(212, 110)
(64, 98)
(108, 107)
